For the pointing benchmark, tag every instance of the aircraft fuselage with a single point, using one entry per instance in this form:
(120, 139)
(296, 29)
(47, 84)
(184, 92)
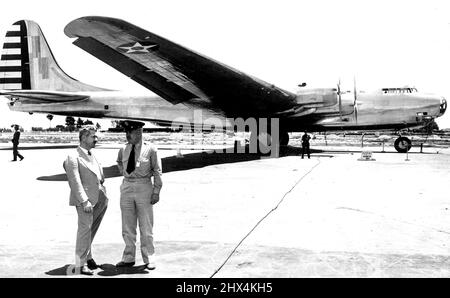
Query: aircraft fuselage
(373, 110)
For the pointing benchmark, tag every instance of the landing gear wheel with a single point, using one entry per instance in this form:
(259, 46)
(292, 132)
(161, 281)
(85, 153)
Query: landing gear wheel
(402, 144)
(262, 143)
(284, 138)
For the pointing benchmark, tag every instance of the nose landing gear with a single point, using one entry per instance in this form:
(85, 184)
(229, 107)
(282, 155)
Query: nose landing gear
(402, 144)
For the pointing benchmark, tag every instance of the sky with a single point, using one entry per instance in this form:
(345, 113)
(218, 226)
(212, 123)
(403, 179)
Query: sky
(381, 43)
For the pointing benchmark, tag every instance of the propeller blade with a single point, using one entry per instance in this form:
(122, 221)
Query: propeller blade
(355, 104)
(340, 99)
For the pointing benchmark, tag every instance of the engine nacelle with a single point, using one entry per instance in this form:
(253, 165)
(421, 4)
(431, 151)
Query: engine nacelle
(317, 97)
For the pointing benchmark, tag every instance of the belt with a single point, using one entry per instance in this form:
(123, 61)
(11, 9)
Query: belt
(137, 180)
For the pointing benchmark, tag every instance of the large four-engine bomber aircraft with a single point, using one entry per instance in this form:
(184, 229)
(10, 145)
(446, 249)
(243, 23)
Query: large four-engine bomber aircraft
(185, 81)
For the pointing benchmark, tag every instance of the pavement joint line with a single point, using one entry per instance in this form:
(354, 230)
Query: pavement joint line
(263, 218)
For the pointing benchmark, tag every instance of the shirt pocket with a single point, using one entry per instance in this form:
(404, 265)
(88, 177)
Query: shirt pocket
(143, 163)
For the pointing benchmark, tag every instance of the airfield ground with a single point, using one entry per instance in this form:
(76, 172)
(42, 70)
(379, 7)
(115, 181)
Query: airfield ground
(328, 216)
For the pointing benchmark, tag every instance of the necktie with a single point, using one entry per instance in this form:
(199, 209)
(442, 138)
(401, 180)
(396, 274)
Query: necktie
(89, 152)
(131, 161)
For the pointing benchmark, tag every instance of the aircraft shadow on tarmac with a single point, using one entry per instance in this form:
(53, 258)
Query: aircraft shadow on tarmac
(191, 161)
(107, 270)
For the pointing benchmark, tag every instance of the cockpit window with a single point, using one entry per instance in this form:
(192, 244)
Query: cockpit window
(399, 90)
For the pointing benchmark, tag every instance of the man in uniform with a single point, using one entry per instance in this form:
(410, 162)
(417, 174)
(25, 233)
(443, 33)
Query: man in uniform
(15, 141)
(88, 195)
(305, 144)
(138, 162)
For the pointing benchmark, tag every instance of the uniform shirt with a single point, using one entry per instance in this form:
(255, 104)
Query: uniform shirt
(147, 163)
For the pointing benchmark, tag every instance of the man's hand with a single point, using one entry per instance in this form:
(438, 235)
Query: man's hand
(154, 199)
(87, 206)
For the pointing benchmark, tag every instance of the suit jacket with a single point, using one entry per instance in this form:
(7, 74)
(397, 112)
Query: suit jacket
(84, 182)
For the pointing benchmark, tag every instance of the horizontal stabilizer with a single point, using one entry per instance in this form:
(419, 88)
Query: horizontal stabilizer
(33, 96)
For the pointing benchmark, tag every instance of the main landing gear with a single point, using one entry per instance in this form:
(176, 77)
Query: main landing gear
(284, 138)
(264, 142)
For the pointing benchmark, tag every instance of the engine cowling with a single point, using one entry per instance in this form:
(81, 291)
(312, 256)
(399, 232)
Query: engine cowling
(317, 97)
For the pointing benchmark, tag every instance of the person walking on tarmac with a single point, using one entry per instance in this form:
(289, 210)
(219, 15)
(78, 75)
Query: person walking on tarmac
(138, 162)
(15, 141)
(305, 145)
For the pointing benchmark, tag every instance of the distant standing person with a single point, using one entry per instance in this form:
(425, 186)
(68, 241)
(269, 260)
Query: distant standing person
(138, 162)
(15, 141)
(305, 144)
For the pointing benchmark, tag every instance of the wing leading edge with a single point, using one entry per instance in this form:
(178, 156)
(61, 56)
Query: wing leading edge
(174, 72)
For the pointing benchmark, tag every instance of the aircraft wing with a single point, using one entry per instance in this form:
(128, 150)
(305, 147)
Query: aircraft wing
(174, 72)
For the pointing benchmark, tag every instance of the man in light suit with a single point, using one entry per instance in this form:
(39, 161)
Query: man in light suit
(88, 195)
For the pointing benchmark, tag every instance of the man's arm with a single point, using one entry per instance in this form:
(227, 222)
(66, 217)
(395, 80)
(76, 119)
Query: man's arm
(119, 161)
(156, 171)
(73, 176)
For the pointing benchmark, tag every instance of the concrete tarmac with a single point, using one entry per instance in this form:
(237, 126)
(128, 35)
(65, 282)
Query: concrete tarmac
(237, 215)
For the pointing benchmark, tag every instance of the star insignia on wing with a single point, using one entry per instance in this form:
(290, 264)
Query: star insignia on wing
(137, 47)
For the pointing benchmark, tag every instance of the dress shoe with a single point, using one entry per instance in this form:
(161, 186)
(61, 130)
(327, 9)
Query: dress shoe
(124, 264)
(22, 158)
(86, 271)
(150, 266)
(92, 265)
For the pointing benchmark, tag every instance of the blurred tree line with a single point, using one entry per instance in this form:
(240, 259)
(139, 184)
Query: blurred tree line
(70, 125)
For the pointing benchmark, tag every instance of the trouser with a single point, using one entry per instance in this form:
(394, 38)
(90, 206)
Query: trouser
(88, 224)
(136, 208)
(305, 149)
(16, 152)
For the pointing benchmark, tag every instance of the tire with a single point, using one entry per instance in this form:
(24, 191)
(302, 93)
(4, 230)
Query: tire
(402, 144)
(284, 138)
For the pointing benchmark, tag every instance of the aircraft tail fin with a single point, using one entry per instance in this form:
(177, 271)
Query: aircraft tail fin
(27, 62)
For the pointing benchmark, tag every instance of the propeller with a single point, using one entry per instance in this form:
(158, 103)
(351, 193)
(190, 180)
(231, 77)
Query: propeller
(340, 99)
(355, 104)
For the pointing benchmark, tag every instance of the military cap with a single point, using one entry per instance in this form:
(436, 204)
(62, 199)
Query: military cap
(130, 125)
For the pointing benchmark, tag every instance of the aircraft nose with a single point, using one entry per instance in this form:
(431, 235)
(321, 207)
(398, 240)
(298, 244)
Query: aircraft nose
(442, 107)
